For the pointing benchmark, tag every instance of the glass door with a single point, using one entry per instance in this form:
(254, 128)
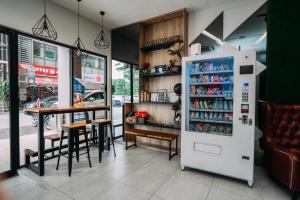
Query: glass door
(121, 93)
(209, 96)
(89, 83)
(4, 104)
(9, 160)
(44, 81)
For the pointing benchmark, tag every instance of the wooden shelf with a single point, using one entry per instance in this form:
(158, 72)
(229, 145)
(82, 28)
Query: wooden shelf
(162, 74)
(159, 46)
(158, 125)
(155, 102)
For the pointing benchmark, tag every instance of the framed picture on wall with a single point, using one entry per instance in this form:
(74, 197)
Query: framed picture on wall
(153, 97)
(162, 95)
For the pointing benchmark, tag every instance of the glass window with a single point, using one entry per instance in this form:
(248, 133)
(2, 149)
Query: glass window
(135, 82)
(44, 74)
(38, 49)
(4, 105)
(44, 54)
(125, 82)
(89, 83)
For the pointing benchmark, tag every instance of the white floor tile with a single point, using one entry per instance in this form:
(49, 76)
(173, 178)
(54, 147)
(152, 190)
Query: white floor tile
(145, 180)
(237, 187)
(120, 191)
(218, 194)
(137, 174)
(196, 176)
(178, 189)
(85, 187)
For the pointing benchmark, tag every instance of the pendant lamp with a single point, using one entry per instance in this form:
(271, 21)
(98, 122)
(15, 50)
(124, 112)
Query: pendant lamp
(78, 44)
(102, 41)
(44, 28)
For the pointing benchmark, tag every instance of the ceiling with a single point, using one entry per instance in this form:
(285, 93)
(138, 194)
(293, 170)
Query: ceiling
(250, 31)
(123, 12)
(244, 36)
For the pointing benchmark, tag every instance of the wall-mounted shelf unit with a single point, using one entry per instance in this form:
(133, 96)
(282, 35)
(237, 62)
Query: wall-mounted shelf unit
(159, 125)
(162, 74)
(156, 102)
(155, 29)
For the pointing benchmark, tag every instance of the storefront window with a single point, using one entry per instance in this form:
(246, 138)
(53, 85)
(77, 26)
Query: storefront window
(4, 105)
(89, 83)
(44, 54)
(44, 74)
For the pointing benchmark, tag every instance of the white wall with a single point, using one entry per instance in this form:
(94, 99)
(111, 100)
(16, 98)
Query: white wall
(235, 13)
(22, 15)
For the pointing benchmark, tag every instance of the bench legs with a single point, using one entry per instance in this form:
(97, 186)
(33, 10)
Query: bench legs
(170, 146)
(133, 145)
(170, 149)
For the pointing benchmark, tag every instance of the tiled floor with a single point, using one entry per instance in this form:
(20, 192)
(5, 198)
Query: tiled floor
(137, 174)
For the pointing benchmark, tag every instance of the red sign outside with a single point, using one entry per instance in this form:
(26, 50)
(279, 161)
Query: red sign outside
(39, 70)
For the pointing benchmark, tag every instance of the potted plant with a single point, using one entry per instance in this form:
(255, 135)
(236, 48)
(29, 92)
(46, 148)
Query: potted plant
(4, 95)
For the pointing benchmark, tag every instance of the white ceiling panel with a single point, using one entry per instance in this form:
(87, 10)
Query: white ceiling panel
(123, 12)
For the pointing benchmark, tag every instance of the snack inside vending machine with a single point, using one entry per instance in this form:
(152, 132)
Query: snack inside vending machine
(218, 128)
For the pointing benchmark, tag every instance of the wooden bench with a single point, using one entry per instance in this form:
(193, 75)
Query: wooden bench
(153, 135)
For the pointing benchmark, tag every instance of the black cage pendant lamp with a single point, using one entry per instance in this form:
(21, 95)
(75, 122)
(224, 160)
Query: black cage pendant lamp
(78, 44)
(44, 28)
(102, 41)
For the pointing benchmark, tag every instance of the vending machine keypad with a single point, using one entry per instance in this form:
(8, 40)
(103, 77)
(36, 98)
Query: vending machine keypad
(245, 97)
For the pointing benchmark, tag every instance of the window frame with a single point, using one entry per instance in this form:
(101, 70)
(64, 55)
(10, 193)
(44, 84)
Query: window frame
(13, 35)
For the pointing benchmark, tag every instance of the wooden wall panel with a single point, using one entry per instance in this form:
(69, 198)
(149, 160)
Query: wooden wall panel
(164, 26)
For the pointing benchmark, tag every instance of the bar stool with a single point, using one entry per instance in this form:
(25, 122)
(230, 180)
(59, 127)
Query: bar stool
(74, 131)
(101, 123)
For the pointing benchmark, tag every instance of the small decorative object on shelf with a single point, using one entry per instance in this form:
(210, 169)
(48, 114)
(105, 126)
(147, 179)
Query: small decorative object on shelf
(153, 96)
(160, 69)
(162, 95)
(142, 117)
(146, 66)
(131, 118)
(176, 106)
(144, 96)
(163, 43)
(172, 97)
(176, 49)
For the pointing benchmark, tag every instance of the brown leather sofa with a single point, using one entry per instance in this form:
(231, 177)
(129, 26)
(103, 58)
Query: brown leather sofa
(281, 142)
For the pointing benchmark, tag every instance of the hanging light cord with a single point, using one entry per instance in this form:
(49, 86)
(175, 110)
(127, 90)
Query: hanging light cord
(78, 18)
(45, 7)
(102, 22)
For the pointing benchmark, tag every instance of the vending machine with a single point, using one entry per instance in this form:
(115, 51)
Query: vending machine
(218, 115)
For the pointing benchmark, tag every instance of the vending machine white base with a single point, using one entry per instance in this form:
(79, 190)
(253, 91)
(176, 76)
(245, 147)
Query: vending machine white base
(218, 115)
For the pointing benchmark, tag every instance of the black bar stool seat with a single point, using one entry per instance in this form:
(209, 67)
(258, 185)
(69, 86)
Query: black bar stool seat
(74, 131)
(101, 123)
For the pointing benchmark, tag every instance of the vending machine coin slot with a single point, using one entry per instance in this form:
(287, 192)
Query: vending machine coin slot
(250, 122)
(245, 157)
(245, 108)
(244, 119)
